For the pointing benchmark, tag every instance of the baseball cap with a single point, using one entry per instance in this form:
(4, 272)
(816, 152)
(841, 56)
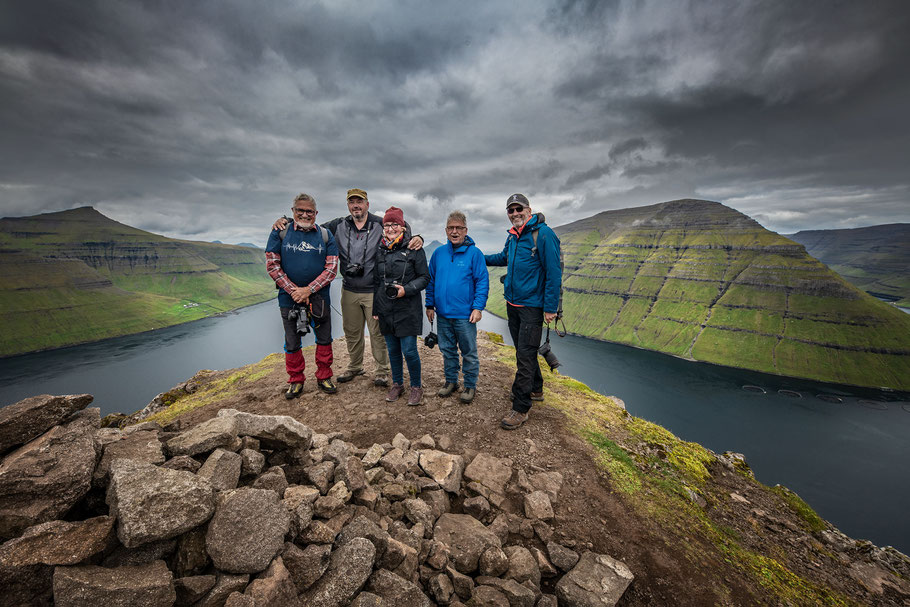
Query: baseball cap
(518, 199)
(357, 192)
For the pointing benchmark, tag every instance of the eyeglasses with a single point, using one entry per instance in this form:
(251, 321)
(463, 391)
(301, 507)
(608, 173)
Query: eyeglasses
(513, 210)
(391, 226)
(455, 228)
(303, 211)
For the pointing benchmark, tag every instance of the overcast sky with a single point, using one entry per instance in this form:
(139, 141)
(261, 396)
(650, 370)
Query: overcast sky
(202, 119)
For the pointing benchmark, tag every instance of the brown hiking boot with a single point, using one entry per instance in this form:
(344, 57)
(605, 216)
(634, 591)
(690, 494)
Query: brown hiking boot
(446, 390)
(538, 396)
(348, 376)
(513, 420)
(394, 393)
(467, 396)
(415, 396)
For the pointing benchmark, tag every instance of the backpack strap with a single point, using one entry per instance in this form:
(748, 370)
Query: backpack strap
(534, 248)
(322, 230)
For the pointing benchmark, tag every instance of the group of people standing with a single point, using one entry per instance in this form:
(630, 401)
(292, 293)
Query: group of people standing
(384, 270)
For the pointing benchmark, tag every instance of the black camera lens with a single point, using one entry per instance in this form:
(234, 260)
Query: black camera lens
(391, 291)
(548, 355)
(354, 271)
(430, 340)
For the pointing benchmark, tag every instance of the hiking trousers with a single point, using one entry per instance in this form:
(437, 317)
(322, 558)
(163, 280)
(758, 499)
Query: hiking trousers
(357, 310)
(526, 328)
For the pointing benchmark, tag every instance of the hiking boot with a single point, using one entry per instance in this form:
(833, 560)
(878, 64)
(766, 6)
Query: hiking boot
(415, 396)
(294, 390)
(467, 396)
(348, 376)
(538, 396)
(446, 390)
(327, 386)
(395, 393)
(513, 420)
(381, 381)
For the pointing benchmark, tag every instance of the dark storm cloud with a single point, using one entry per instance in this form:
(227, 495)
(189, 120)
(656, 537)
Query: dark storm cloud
(203, 119)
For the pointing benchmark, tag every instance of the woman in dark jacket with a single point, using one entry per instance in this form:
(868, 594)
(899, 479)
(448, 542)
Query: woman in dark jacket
(401, 274)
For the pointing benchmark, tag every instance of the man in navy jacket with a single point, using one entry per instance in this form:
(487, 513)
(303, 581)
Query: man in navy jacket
(531, 289)
(457, 294)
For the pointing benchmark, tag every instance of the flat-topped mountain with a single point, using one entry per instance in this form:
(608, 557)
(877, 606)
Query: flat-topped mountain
(876, 258)
(700, 280)
(77, 276)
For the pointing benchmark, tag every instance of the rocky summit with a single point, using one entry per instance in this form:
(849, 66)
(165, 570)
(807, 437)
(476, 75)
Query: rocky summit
(702, 281)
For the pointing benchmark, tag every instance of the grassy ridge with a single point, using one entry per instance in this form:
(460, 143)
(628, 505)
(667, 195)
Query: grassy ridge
(702, 281)
(872, 258)
(77, 276)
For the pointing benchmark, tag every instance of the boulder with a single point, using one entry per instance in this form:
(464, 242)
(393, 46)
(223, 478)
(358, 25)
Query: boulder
(153, 503)
(337, 452)
(491, 472)
(222, 469)
(225, 585)
(247, 530)
(273, 479)
(321, 475)
(142, 446)
(493, 562)
(41, 480)
(190, 557)
(488, 596)
(307, 565)
(350, 472)
(192, 588)
(396, 462)
(349, 568)
(252, 463)
(515, 593)
(57, 543)
(467, 539)
(564, 558)
(440, 586)
(182, 462)
(463, 584)
(372, 456)
(478, 507)
(90, 586)
(443, 468)
(364, 527)
(273, 587)
(273, 431)
(396, 591)
(537, 506)
(32, 417)
(548, 482)
(522, 565)
(418, 511)
(28, 586)
(203, 437)
(400, 442)
(597, 580)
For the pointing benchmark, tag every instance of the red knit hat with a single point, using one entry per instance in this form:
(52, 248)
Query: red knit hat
(394, 215)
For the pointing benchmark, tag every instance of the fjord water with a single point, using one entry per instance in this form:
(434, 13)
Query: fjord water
(848, 459)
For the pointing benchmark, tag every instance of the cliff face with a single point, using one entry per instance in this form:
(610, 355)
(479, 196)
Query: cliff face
(77, 276)
(699, 280)
(876, 259)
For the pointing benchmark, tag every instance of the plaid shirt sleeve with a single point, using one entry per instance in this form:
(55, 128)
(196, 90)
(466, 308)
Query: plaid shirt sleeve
(273, 267)
(328, 275)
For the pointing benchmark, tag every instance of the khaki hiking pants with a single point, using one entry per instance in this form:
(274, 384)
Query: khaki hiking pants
(357, 309)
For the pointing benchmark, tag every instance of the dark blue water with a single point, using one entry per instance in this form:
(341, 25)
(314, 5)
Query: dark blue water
(847, 459)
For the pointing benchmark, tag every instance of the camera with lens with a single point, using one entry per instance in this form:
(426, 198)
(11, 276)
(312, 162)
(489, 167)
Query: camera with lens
(354, 270)
(300, 316)
(430, 340)
(391, 290)
(548, 355)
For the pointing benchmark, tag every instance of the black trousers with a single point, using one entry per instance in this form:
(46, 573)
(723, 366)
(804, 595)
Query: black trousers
(525, 327)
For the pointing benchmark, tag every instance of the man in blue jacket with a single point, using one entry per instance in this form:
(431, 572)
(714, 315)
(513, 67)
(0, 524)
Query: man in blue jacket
(531, 289)
(457, 294)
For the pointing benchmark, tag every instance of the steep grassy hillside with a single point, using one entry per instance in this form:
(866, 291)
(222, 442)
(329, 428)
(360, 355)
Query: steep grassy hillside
(77, 276)
(702, 281)
(876, 259)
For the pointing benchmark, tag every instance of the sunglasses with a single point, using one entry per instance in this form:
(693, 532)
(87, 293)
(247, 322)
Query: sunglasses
(513, 210)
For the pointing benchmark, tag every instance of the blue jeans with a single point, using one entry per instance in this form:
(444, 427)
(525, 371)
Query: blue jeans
(455, 334)
(408, 346)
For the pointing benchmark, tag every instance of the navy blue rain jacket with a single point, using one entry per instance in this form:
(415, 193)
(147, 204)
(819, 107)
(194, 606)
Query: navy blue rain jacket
(459, 281)
(532, 278)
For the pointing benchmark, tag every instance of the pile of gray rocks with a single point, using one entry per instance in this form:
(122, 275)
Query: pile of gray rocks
(246, 509)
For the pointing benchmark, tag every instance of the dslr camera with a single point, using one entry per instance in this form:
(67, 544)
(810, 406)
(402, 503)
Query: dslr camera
(300, 316)
(354, 270)
(430, 340)
(548, 355)
(391, 290)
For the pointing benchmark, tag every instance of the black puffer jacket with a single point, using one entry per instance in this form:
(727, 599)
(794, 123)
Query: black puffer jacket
(402, 316)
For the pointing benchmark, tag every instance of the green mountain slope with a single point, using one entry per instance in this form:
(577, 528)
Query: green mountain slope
(76, 276)
(702, 281)
(876, 258)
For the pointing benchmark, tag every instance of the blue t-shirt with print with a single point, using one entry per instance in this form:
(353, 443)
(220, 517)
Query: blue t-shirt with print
(302, 258)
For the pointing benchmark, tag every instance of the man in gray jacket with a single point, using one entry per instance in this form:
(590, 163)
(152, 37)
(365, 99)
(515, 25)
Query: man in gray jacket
(357, 236)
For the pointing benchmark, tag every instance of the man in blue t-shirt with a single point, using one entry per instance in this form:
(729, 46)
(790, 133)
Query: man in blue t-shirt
(303, 261)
